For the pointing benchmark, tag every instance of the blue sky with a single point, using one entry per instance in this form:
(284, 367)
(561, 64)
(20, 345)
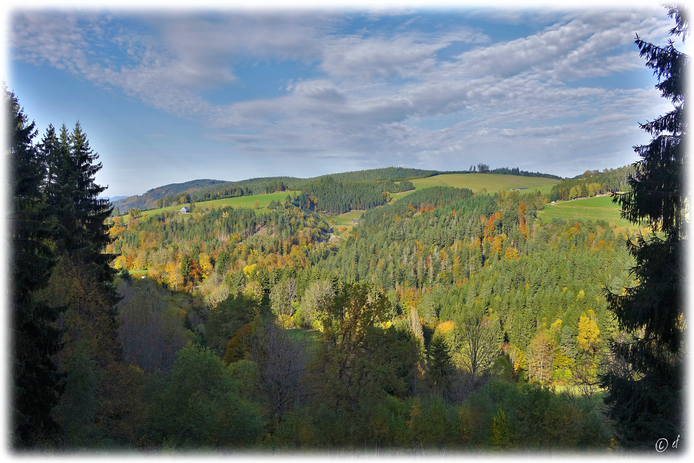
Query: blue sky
(171, 95)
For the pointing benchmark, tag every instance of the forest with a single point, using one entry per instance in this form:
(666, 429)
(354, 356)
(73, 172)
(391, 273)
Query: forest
(593, 183)
(355, 190)
(445, 320)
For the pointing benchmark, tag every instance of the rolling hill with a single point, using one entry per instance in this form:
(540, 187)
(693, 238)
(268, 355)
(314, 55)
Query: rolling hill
(202, 190)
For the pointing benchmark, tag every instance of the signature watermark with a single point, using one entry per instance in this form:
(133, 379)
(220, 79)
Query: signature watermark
(662, 444)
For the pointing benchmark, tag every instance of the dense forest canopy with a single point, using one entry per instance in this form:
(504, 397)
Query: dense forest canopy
(438, 302)
(356, 188)
(592, 183)
(444, 320)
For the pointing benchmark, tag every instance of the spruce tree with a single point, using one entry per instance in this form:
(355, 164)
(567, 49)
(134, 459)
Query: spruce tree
(36, 383)
(73, 194)
(645, 384)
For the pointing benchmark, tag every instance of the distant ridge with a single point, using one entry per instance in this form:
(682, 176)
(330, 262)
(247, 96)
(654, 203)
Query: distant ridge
(204, 189)
(148, 199)
(200, 190)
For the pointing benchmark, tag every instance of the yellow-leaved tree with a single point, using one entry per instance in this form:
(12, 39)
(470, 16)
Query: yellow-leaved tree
(589, 343)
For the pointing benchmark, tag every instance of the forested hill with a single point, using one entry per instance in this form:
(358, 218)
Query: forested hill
(148, 199)
(392, 173)
(354, 191)
(593, 182)
(204, 190)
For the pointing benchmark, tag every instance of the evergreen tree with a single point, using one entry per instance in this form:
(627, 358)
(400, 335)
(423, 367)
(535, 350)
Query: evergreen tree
(72, 193)
(35, 378)
(440, 363)
(92, 212)
(645, 394)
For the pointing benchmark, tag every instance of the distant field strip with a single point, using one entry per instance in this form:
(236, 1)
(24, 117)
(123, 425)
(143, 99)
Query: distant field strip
(597, 208)
(240, 202)
(492, 182)
(347, 218)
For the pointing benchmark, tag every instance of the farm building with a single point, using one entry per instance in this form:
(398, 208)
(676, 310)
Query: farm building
(184, 210)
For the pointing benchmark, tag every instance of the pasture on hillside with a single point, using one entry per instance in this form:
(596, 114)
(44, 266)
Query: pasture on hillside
(345, 220)
(492, 182)
(239, 202)
(596, 208)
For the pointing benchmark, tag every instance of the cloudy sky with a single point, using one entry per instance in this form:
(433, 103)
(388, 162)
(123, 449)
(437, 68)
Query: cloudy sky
(171, 95)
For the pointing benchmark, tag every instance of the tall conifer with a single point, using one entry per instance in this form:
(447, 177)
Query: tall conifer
(645, 393)
(36, 383)
(73, 194)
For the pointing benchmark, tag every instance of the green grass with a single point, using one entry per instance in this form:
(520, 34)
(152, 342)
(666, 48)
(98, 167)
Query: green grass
(492, 182)
(597, 208)
(346, 218)
(138, 272)
(240, 202)
(576, 390)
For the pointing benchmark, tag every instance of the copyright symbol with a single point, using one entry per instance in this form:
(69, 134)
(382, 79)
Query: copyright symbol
(661, 445)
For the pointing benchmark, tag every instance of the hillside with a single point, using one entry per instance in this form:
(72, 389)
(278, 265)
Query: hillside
(593, 182)
(596, 208)
(491, 182)
(259, 203)
(392, 173)
(352, 185)
(148, 199)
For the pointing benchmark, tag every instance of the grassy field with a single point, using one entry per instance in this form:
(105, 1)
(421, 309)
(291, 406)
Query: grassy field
(344, 220)
(575, 390)
(240, 202)
(492, 182)
(597, 208)
(138, 272)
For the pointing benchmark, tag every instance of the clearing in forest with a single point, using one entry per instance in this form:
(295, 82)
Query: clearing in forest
(492, 182)
(596, 208)
(239, 202)
(346, 219)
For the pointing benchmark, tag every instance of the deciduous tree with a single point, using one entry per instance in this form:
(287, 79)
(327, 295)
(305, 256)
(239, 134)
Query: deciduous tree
(477, 341)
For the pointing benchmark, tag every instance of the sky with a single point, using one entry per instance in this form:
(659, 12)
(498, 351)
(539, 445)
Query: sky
(172, 94)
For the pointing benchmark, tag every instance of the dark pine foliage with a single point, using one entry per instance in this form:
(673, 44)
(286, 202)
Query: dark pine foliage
(73, 197)
(645, 385)
(36, 383)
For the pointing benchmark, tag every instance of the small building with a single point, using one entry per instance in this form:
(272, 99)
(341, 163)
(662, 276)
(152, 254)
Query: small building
(184, 210)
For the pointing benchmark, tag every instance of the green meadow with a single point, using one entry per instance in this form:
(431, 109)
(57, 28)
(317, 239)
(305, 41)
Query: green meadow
(491, 182)
(345, 220)
(597, 208)
(476, 182)
(240, 202)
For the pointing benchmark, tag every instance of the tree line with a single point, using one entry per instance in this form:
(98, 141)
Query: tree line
(593, 183)
(440, 322)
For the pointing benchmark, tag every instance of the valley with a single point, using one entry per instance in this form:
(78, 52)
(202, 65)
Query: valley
(310, 306)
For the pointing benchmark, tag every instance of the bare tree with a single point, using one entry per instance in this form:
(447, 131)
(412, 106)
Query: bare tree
(477, 342)
(540, 357)
(281, 363)
(148, 335)
(416, 325)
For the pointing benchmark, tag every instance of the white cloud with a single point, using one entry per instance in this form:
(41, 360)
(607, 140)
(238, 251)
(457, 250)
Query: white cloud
(404, 55)
(369, 89)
